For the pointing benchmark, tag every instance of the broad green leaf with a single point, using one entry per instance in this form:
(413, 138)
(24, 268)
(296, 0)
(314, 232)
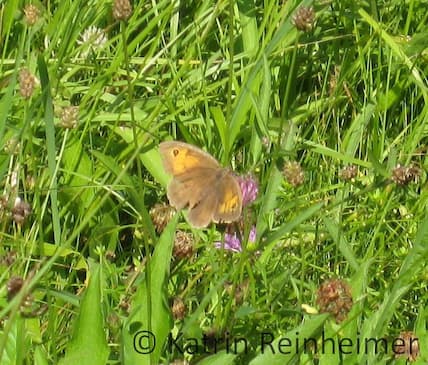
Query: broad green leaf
(149, 326)
(78, 172)
(40, 356)
(89, 344)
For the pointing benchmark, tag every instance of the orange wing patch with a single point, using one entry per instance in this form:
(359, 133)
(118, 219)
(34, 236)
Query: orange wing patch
(229, 203)
(183, 160)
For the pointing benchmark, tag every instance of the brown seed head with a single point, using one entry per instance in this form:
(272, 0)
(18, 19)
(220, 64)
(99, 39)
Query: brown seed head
(304, 18)
(334, 297)
(27, 82)
(293, 173)
(20, 211)
(161, 214)
(31, 14)
(70, 117)
(8, 259)
(178, 308)
(407, 345)
(4, 203)
(403, 175)
(122, 9)
(348, 173)
(125, 305)
(14, 285)
(183, 245)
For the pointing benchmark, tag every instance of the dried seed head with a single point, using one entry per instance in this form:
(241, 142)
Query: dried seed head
(407, 345)
(20, 211)
(4, 203)
(122, 9)
(70, 117)
(178, 308)
(14, 285)
(293, 173)
(8, 259)
(27, 82)
(403, 175)
(125, 305)
(183, 245)
(161, 214)
(348, 173)
(27, 302)
(334, 297)
(31, 14)
(304, 18)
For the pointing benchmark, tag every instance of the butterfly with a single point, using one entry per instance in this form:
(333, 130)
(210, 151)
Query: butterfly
(209, 191)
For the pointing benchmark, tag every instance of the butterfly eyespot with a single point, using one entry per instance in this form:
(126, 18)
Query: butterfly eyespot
(175, 152)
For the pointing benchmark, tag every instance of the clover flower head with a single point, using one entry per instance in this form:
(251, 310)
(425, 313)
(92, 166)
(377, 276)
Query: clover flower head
(233, 243)
(92, 39)
(249, 189)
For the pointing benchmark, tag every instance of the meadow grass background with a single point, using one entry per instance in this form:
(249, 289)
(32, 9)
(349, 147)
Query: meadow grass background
(237, 79)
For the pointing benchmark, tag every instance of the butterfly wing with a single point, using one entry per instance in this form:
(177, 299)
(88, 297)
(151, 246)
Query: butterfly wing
(190, 188)
(229, 204)
(180, 158)
(202, 214)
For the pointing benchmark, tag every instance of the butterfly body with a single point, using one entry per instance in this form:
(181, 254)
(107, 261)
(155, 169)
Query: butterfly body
(209, 191)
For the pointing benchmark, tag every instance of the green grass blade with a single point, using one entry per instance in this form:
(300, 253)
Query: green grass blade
(51, 146)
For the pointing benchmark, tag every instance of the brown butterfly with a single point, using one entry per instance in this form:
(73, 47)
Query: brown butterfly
(210, 191)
